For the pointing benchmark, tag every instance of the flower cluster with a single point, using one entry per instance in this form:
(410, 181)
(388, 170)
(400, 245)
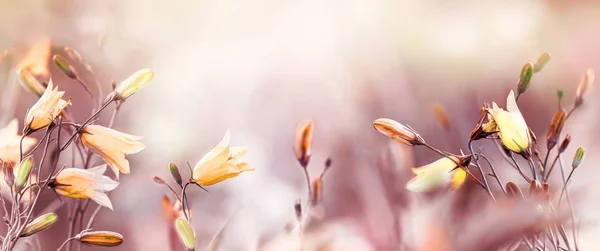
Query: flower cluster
(31, 166)
(508, 129)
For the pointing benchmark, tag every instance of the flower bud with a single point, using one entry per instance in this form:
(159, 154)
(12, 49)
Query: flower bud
(558, 121)
(398, 132)
(64, 66)
(564, 144)
(482, 130)
(584, 86)
(27, 80)
(303, 142)
(535, 188)
(578, 158)
(158, 180)
(23, 173)
(541, 61)
(9, 175)
(298, 210)
(175, 173)
(514, 191)
(525, 78)
(39, 224)
(133, 83)
(186, 233)
(317, 191)
(73, 54)
(100, 238)
(442, 116)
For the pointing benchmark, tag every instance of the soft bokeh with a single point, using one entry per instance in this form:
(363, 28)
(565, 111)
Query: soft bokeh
(260, 67)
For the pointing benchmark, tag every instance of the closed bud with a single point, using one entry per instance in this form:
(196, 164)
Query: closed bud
(525, 78)
(558, 121)
(175, 173)
(579, 154)
(23, 173)
(546, 190)
(64, 66)
(298, 210)
(73, 54)
(100, 238)
(133, 83)
(9, 175)
(564, 144)
(27, 80)
(158, 180)
(39, 224)
(398, 132)
(541, 61)
(186, 234)
(303, 142)
(442, 116)
(317, 191)
(514, 191)
(584, 86)
(535, 188)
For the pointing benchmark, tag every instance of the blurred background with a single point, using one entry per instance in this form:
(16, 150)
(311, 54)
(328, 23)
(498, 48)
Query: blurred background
(260, 67)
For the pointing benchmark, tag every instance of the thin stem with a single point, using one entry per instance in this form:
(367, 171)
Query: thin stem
(308, 182)
(519, 169)
(485, 182)
(183, 205)
(566, 182)
(93, 217)
(65, 243)
(85, 87)
(494, 172)
(544, 164)
(551, 168)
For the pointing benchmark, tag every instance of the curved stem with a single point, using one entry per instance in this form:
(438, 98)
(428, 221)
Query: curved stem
(493, 172)
(65, 243)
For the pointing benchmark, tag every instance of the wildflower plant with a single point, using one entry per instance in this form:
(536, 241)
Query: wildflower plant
(32, 167)
(508, 130)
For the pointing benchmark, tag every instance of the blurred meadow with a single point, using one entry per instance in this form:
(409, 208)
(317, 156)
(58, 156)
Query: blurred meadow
(259, 68)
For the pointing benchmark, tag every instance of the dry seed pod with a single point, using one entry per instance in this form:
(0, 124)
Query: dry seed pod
(535, 188)
(303, 142)
(65, 66)
(23, 173)
(525, 78)
(514, 191)
(564, 144)
(186, 234)
(9, 175)
(398, 132)
(100, 238)
(442, 116)
(317, 191)
(483, 130)
(175, 174)
(558, 121)
(541, 62)
(584, 86)
(39, 224)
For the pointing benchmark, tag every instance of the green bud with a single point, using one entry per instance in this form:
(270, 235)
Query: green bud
(579, 154)
(133, 83)
(65, 66)
(39, 224)
(525, 78)
(27, 80)
(100, 238)
(23, 173)
(158, 180)
(175, 173)
(541, 61)
(186, 233)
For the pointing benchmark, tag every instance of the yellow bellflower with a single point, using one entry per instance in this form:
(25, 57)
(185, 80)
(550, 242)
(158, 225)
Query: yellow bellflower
(221, 163)
(437, 175)
(10, 141)
(85, 184)
(112, 146)
(46, 109)
(512, 129)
